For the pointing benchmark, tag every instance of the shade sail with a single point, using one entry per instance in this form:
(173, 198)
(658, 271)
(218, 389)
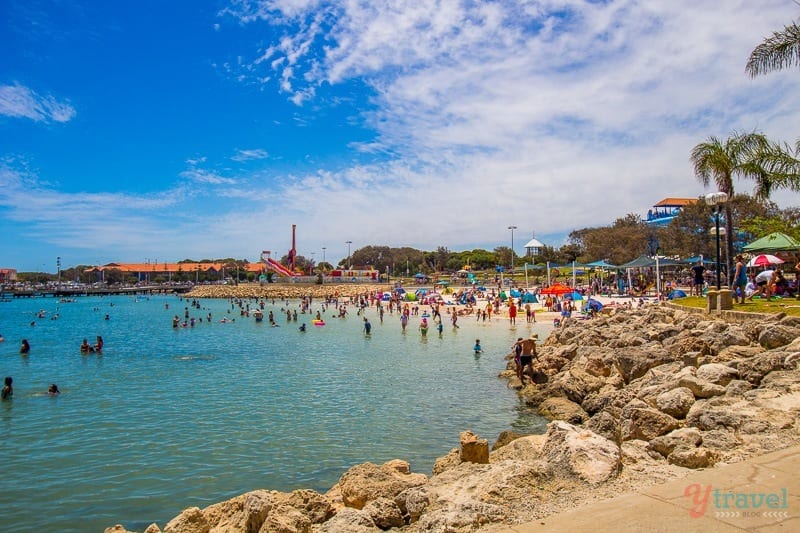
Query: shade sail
(774, 242)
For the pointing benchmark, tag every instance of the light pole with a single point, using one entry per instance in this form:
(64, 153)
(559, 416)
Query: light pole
(717, 199)
(58, 266)
(348, 243)
(512, 228)
(323, 254)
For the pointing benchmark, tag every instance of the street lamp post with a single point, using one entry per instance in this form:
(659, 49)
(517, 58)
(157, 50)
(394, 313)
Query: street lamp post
(512, 228)
(348, 243)
(717, 199)
(58, 266)
(323, 254)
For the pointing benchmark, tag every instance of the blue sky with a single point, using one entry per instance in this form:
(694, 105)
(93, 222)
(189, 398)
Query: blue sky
(133, 131)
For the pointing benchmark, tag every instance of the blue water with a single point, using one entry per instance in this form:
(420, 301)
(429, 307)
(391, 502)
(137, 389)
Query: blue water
(169, 418)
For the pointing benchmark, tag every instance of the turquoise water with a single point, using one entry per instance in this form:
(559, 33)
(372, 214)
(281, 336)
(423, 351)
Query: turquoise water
(169, 418)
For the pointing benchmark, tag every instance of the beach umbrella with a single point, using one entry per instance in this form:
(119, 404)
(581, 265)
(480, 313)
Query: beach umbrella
(420, 275)
(676, 294)
(764, 260)
(557, 289)
(574, 295)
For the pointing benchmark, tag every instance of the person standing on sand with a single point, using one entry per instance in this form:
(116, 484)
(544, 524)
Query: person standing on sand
(739, 280)
(697, 283)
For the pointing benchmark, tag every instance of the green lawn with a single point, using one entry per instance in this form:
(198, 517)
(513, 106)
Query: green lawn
(790, 306)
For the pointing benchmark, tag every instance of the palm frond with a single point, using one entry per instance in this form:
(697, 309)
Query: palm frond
(780, 51)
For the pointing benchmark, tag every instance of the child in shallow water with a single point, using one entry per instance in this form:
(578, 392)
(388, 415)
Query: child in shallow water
(477, 346)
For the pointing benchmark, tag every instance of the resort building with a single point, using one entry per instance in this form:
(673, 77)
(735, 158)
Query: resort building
(8, 275)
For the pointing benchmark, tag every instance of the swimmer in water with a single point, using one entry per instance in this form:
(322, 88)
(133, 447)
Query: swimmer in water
(302, 327)
(53, 390)
(8, 390)
(86, 347)
(24, 347)
(477, 346)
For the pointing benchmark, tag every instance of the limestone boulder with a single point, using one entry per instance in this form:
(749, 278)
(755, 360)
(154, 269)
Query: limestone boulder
(684, 343)
(227, 515)
(527, 448)
(446, 462)
(675, 402)
(737, 387)
(754, 369)
(777, 335)
(473, 448)
(707, 416)
(467, 516)
(119, 528)
(413, 502)
(607, 397)
(505, 437)
(692, 457)
(606, 423)
(257, 505)
(190, 520)
(384, 513)
(700, 387)
(633, 363)
(720, 440)
(640, 421)
(562, 409)
(366, 482)
(580, 453)
(286, 519)
(683, 437)
(348, 520)
(311, 503)
(717, 373)
(152, 528)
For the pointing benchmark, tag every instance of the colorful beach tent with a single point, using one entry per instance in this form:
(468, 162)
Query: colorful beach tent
(774, 242)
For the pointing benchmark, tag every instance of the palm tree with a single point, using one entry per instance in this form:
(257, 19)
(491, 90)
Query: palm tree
(739, 155)
(777, 52)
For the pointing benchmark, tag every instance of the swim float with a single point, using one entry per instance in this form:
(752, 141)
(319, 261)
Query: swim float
(318, 322)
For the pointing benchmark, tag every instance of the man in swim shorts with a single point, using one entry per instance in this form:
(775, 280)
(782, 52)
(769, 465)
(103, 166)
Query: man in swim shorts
(527, 355)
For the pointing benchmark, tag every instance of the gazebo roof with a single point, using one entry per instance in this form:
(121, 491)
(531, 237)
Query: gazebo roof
(533, 243)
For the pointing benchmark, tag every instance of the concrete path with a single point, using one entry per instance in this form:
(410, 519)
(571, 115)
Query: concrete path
(760, 494)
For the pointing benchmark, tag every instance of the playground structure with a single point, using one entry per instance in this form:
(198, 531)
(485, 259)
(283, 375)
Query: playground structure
(288, 271)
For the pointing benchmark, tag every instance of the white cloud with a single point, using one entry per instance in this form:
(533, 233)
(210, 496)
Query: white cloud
(551, 115)
(21, 102)
(207, 177)
(248, 155)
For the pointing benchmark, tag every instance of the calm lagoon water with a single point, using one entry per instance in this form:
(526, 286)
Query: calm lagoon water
(170, 418)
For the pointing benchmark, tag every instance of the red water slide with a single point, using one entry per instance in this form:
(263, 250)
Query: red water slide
(279, 268)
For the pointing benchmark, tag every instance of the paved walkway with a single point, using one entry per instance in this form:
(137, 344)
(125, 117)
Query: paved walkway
(760, 494)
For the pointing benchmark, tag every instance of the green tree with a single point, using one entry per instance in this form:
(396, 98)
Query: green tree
(779, 51)
(740, 156)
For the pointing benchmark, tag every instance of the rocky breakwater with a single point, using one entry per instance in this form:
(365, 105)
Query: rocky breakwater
(682, 388)
(281, 291)
(634, 399)
(471, 488)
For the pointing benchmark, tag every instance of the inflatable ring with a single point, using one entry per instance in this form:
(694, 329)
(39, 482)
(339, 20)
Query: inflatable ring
(318, 322)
